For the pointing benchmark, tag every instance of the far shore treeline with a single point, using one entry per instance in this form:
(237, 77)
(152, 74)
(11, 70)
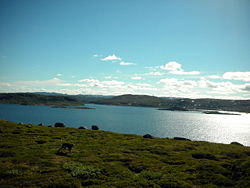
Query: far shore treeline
(56, 99)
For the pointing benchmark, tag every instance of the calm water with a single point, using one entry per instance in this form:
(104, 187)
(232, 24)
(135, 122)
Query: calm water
(139, 120)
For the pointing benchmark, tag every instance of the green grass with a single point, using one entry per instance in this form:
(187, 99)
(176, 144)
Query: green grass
(104, 159)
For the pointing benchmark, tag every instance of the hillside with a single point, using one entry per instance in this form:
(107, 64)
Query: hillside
(127, 100)
(29, 157)
(177, 103)
(37, 99)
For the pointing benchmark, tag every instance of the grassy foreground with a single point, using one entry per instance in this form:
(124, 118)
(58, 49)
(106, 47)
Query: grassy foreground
(29, 158)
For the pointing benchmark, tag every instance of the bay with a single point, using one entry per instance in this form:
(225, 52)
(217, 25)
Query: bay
(138, 120)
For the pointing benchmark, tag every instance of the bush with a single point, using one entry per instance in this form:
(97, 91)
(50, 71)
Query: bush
(149, 175)
(10, 173)
(80, 171)
(204, 156)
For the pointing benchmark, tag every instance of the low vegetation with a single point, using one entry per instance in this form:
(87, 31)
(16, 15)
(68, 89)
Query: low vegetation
(29, 158)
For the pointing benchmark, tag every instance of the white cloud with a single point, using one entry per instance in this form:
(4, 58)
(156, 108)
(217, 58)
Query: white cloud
(59, 75)
(102, 84)
(5, 84)
(173, 83)
(241, 76)
(171, 66)
(203, 83)
(126, 63)
(246, 87)
(111, 58)
(181, 72)
(153, 68)
(175, 68)
(214, 77)
(155, 73)
(144, 85)
(136, 78)
(96, 55)
(108, 77)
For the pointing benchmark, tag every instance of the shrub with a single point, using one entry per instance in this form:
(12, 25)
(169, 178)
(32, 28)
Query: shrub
(204, 156)
(80, 171)
(150, 175)
(10, 173)
(7, 154)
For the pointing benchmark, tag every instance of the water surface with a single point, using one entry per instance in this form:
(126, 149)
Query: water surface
(139, 120)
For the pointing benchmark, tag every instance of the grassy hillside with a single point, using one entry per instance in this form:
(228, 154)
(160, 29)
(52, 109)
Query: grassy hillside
(37, 99)
(29, 157)
(175, 103)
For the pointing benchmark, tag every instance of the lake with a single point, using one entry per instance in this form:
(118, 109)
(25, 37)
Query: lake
(139, 120)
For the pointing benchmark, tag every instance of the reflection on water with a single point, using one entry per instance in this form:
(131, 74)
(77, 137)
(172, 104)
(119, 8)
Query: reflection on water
(138, 120)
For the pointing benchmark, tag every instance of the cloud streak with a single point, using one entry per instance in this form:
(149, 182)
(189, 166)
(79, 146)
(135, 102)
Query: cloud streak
(126, 63)
(241, 76)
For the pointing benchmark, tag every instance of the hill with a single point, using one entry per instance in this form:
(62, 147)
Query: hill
(127, 100)
(30, 157)
(37, 99)
(177, 103)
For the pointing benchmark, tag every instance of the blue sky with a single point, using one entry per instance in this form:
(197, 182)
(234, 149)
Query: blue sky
(184, 48)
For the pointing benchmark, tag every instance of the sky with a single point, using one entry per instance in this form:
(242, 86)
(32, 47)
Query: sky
(170, 48)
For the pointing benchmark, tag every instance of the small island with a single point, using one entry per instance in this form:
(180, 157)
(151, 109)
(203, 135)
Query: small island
(218, 112)
(74, 107)
(174, 109)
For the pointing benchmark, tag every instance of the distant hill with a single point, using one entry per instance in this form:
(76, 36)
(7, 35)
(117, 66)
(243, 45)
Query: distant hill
(128, 100)
(132, 100)
(177, 103)
(37, 99)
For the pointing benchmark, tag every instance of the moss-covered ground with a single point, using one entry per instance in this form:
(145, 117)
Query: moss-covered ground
(29, 157)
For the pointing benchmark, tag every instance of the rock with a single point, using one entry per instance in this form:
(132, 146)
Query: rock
(81, 127)
(148, 136)
(204, 156)
(59, 124)
(40, 124)
(95, 127)
(181, 138)
(237, 143)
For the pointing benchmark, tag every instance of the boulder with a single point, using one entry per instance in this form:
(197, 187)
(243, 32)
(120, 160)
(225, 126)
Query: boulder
(81, 127)
(58, 124)
(95, 127)
(148, 136)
